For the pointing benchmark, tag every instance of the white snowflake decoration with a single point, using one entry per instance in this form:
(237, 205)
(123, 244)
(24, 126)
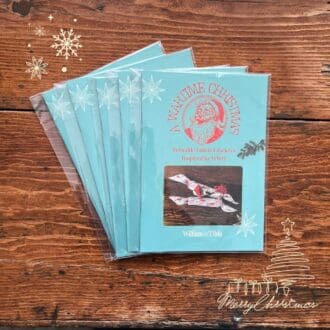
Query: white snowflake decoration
(61, 106)
(66, 43)
(108, 96)
(36, 67)
(152, 90)
(81, 97)
(247, 226)
(39, 31)
(130, 90)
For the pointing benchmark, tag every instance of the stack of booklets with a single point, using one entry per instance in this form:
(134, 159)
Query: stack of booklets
(171, 156)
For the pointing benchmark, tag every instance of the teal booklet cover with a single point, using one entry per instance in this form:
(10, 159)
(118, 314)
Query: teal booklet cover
(131, 113)
(203, 162)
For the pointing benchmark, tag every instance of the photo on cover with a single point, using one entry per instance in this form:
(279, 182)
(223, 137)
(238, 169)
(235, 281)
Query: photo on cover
(202, 195)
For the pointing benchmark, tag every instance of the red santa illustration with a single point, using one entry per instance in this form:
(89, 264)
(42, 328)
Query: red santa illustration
(205, 121)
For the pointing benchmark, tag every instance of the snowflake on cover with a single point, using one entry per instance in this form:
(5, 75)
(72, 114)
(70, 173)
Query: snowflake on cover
(61, 106)
(36, 67)
(203, 195)
(152, 90)
(66, 43)
(39, 31)
(108, 96)
(247, 225)
(130, 90)
(82, 97)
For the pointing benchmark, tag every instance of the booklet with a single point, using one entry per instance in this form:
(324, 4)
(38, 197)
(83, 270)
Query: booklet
(203, 162)
(151, 92)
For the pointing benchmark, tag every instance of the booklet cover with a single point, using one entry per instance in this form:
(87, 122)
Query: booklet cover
(203, 162)
(150, 93)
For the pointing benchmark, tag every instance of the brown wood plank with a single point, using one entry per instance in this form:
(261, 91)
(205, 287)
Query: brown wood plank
(290, 39)
(52, 270)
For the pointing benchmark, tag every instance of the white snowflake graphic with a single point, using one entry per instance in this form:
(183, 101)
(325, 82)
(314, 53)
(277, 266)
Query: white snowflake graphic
(66, 43)
(247, 226)
(36, 67)
(39, 31)
(219, 75)
(130, 90)
(81, 97)
(60, 105)
(152, 90)
(108, 96)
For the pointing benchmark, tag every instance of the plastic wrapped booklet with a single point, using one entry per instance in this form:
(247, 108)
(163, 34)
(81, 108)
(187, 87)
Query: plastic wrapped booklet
(152, 93)
(205, 147)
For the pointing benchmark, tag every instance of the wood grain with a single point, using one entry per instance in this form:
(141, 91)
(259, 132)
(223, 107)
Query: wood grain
(290, 39)
(52, 271)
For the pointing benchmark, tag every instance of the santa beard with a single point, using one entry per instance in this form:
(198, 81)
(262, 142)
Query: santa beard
(201, 133)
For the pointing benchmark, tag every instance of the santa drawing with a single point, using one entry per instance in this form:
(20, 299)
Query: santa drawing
(204, 120)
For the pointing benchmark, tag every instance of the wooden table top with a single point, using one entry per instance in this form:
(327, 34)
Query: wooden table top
(52, 271)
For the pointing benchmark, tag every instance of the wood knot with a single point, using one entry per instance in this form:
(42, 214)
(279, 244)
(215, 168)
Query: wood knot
(39, 310)
(325, 69)
(100, 6)
(22, 7)
(237, 316)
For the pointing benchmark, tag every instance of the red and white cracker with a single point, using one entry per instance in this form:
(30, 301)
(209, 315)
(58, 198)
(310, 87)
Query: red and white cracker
(200, 190)
(202, 201)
